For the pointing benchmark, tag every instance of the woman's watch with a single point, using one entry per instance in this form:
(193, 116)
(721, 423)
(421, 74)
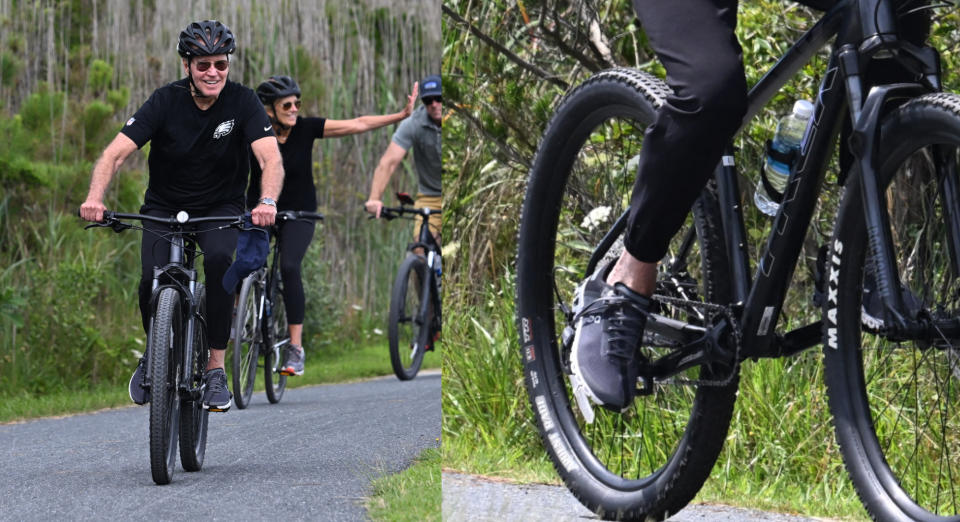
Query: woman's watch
(268, 201)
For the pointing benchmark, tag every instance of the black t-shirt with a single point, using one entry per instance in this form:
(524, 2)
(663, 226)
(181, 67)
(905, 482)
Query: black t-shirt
(299, 191)
(197, 158)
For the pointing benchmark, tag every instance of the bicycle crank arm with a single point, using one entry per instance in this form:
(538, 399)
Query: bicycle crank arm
(705, 349)
(678, 331)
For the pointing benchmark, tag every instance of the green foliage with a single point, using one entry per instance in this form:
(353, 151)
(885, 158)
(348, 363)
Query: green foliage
(10, 67)
(41, 110)
(118, 98)
(99, 75)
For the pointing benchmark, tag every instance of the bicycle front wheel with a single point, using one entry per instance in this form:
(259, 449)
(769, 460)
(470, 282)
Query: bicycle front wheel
(193, 416)
(278, 338)
(647, 463)
(166, 347)
(407, 331)
(245, 342)
(895, 398)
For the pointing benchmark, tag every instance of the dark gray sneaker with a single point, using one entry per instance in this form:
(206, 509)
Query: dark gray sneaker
(139, 394)
(609, 322)
(293, 357)
(216, 395)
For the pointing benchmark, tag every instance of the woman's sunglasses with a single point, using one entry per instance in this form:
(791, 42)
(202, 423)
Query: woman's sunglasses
(286, 106)
(428, 100)
(221, 65)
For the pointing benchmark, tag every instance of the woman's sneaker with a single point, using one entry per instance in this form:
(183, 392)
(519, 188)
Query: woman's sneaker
(609, 323)
(293, 357)
(216, 395)
(139, 394)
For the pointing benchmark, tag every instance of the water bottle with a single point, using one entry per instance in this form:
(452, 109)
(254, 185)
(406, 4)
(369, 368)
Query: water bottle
(786, 141)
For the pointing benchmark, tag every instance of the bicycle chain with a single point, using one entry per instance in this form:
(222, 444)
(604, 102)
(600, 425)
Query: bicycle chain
(730, 314)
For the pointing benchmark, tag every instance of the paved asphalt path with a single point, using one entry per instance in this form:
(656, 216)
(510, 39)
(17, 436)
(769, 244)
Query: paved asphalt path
(468, 498)
(310, 457)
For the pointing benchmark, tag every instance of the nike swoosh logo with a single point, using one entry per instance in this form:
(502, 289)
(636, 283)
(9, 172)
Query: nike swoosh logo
(267, 128)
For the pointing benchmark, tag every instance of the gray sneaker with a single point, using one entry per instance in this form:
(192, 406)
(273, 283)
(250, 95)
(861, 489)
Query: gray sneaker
(609, 323)
(139, 394)
(216, 395)
(293, 357)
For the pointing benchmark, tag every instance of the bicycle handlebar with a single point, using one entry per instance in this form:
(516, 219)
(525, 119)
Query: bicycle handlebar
(389, 213)
(110, 217)
(290, 215)
(176, 220)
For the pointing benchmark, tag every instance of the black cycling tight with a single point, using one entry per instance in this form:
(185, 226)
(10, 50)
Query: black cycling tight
(295, 237)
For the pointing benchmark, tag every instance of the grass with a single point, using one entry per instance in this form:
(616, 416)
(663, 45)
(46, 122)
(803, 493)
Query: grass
(412, 495)
(368, 359)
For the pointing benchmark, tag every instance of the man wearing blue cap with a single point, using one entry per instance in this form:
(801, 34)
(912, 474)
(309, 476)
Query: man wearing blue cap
(421, 131)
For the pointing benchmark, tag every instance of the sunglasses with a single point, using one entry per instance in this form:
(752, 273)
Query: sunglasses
(428, 100)
(286, 106)
(221, 65)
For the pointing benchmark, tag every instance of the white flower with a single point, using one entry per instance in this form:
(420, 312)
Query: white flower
(596, 217)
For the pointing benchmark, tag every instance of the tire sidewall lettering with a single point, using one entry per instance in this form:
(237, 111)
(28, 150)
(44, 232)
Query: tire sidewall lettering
(833, 284)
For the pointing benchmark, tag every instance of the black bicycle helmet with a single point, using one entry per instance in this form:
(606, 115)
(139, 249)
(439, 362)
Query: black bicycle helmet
(205, 38)
(277, 87)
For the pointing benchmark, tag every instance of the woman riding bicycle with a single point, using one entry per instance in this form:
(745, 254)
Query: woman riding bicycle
(280, 96)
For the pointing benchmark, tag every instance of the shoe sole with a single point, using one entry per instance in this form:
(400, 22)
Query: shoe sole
(218, 409)
(290, 373)
(130, 393)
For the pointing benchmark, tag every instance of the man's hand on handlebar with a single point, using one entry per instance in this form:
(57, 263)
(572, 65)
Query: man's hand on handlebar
(374, 206)
(92, 210)
(264, 215)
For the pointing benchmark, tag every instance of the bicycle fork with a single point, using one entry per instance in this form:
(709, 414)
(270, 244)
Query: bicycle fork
(903, 322)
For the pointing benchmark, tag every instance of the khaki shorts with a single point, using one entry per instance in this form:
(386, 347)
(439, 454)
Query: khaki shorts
(431, 202)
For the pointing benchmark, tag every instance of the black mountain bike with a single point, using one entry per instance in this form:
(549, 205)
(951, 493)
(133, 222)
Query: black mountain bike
(415, 318)
(260, 325)
(177, 350)
(891, 370)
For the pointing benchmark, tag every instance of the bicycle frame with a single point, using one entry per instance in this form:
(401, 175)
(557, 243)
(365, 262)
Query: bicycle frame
(180, 275)
(430, 289)
(864, 30)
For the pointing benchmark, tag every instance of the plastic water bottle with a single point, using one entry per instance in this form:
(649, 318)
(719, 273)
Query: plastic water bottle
(789, 135)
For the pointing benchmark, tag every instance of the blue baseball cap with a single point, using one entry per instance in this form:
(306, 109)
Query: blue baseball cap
(253, 246)
(430, 86)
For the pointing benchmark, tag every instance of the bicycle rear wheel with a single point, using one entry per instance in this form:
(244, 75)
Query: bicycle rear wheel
(896, 401)
(166, 347)
(246, 342)
(278, 338)
(407, 332)
(647, 463)
(193, 416)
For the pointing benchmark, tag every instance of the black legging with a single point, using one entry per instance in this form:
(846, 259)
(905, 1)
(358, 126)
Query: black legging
(218, 247)
(295, 237)
(695, 41)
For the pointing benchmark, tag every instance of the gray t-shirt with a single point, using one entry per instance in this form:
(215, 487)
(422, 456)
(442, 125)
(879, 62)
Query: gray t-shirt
(423, 135)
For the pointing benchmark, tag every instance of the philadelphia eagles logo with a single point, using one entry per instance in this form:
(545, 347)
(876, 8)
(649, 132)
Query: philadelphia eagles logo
(223, 129)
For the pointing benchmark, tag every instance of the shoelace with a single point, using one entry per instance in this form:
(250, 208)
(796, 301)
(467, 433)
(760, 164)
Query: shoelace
(625, 321)
(216, 382)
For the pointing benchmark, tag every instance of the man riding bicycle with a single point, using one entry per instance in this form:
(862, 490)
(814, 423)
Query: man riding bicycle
(202, 129)
(422, 132)
(696, 43)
